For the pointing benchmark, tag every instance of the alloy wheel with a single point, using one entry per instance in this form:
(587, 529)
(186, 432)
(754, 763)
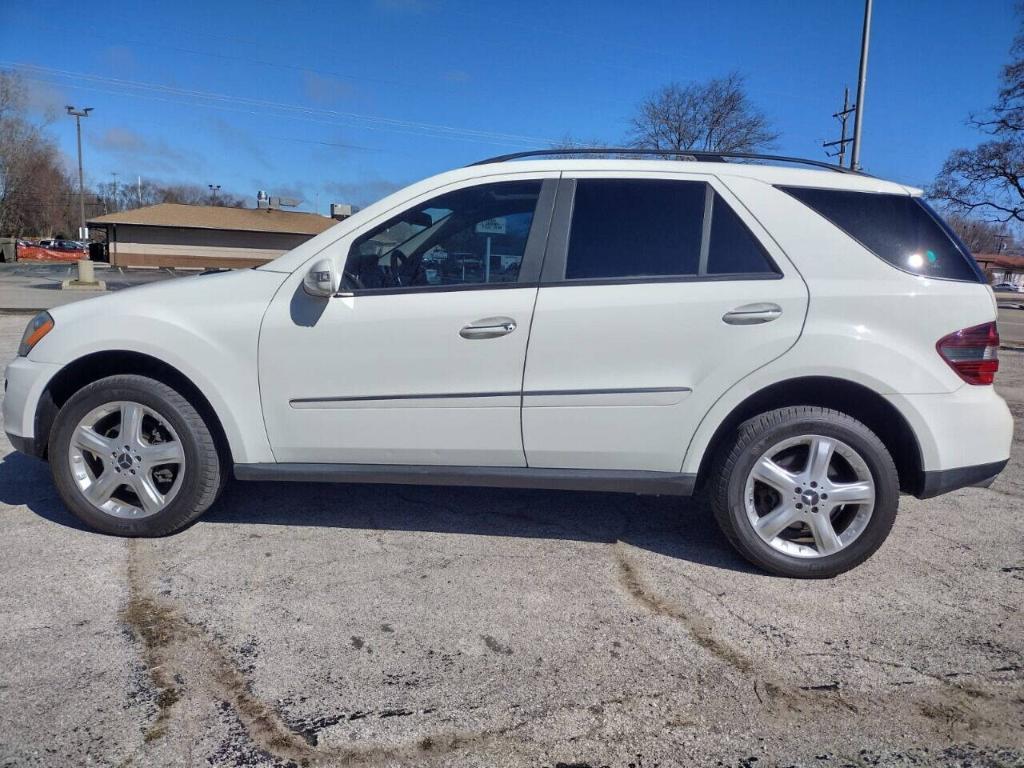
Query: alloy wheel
(126, 459)
(809, 496)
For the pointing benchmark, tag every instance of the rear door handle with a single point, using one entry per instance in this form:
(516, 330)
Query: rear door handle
(752, 314)
(488, 328)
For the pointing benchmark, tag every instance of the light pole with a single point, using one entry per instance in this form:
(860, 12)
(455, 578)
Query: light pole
(862, 77)
(214, 189)
(78, 114)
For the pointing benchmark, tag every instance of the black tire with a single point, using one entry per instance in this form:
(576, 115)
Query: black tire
(759, 434)
(203, 476)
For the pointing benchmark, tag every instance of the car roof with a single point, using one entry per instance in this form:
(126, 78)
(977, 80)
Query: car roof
(768, 173)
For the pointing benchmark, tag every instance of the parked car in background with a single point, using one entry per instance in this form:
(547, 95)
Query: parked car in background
(68, 246)
(53, 250)
(1011, 287)
(799, 346)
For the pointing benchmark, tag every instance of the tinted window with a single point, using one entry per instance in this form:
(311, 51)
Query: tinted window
(634, 228)
(900, 229)
(733, 248)
(467, 237)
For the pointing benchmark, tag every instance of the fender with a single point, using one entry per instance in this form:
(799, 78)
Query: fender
(206, 327)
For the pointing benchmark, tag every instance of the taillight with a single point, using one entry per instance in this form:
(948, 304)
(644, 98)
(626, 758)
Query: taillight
(972, 352)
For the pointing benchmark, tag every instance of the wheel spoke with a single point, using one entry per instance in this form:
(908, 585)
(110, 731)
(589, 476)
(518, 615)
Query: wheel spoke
(150, 498)
(861, 492)
(819, 457)
(770, 473)
(155, 454)
(103, 487)
(825, 535)
(87, 439)
(131, 424)
(771, 525)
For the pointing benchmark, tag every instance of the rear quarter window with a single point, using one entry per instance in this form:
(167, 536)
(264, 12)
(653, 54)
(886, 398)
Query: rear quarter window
(899, 229)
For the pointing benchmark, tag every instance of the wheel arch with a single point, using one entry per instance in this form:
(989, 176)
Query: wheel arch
(856, 400)
(98, 365)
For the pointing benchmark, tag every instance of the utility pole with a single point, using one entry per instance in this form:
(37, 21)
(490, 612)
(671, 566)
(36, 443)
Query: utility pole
(78, 114)
(114, 174)
(862, 76)
(214, 189)
(842, 116)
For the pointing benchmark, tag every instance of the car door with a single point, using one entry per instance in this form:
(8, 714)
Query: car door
(659, 292)
(419, 359)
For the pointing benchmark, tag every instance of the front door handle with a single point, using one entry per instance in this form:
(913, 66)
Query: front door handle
(488, 328)
(752, 314)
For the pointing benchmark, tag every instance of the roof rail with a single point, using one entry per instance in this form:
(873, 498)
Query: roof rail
(682, 154)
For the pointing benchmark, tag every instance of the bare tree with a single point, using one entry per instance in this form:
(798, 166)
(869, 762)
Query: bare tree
(120, 197)
(571, 144)
(988, 181)
(36, 192)
(194, 194)
(715, 116)
(981, 236)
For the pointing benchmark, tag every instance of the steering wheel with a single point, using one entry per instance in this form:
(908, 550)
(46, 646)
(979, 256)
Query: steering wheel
(404, 265)
(355, 279)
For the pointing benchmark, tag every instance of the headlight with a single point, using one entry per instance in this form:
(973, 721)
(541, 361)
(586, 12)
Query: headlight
(38, 326)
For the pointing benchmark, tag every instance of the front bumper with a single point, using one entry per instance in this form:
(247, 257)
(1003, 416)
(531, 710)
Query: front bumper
(26, 445)
(25, 383)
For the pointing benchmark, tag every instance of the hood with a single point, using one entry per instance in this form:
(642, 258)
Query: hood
(174, 294)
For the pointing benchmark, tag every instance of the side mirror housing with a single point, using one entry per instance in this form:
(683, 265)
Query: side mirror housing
(321, 280)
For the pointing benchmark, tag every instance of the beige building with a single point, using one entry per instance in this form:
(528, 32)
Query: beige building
(173, 235)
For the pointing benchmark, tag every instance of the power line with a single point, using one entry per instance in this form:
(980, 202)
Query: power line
(208, 98)
(842, 116)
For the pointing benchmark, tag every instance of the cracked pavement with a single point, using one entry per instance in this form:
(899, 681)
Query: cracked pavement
(384, 625)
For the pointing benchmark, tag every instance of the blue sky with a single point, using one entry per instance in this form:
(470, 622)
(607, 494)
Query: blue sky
(345, 101)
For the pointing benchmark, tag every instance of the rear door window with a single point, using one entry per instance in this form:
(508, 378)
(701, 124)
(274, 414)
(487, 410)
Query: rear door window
(899, 229)
(655, 228)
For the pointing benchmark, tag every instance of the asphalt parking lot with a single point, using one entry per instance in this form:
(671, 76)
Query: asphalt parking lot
(377, 625)
(35, 285)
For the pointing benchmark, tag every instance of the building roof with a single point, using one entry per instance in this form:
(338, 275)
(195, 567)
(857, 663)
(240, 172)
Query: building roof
(219, 217)
(1001, 260)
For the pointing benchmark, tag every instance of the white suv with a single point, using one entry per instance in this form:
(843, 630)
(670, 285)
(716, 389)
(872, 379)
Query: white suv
(800, 345)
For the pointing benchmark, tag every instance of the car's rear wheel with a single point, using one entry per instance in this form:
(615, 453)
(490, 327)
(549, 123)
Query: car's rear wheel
(130, 456)
(806, 492)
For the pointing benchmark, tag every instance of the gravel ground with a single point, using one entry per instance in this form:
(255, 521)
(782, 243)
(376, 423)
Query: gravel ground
(375, 625)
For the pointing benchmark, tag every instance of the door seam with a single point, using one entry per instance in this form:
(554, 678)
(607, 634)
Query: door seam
(529, 330)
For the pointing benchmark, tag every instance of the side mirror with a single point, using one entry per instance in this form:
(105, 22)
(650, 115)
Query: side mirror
(321, 280)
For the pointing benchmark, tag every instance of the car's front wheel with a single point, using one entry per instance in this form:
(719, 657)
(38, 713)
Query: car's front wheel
(806, 492)
(130, 456)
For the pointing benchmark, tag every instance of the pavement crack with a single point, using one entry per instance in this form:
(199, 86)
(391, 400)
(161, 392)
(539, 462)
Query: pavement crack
(188, 669)
(175, 649)
(698, 626)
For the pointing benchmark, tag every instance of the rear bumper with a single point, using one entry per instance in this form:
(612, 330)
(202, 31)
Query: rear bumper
(942, 481)
(958, 432)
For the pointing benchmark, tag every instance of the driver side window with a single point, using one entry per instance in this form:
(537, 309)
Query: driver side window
(471, 236)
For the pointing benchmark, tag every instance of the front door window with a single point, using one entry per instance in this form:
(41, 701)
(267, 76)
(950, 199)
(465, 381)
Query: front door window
(472, 236)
